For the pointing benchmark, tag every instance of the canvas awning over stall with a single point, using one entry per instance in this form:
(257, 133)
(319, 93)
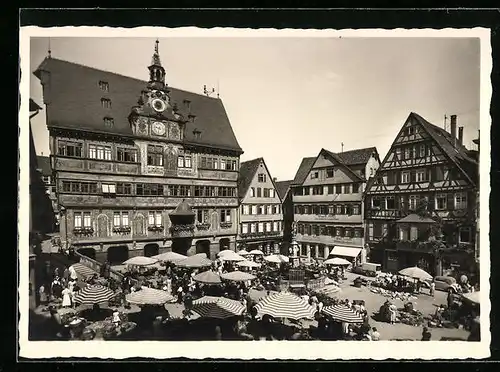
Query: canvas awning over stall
(345, 251)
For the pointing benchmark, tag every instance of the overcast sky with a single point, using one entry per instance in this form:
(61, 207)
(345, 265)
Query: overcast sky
(289, 97)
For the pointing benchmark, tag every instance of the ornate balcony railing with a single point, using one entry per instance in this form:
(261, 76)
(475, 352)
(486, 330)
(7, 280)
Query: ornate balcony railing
(83, 231)
(182, 231)
(203, 226)
(226, 225)
(157, 229)
(123, 230)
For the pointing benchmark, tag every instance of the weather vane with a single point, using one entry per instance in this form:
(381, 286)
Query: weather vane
(208, 92)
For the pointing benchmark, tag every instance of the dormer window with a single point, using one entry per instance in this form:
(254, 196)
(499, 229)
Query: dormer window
(106, 103)
(187, 103)
(104, 86)
(109, 122)
(197, 134)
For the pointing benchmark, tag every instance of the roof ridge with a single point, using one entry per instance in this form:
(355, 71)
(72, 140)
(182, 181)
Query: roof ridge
(124, 76)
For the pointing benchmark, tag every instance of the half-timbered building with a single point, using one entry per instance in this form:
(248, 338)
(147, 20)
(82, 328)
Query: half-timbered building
(283, 189)
(420, 206)
(139, 167)
(327, 197)
(261, 215)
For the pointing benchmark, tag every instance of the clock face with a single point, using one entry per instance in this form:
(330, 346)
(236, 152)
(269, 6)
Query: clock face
(158, 128)
(158, 105)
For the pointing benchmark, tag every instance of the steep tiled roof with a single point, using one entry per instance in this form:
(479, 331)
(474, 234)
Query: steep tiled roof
(247, 173)
(282, 188)
(303, 170)
(458, 153)
(75, 103)
(43, 163)
(358, 156)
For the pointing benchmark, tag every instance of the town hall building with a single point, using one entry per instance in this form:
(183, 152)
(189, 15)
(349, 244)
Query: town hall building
(139, 167)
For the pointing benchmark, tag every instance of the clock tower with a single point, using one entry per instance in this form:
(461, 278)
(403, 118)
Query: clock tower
(154, 114)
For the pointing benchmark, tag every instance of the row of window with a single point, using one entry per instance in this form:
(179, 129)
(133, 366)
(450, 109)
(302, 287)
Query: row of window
(413, 152)
(261, 227)
(208, 162)
(260, 209)
(262, 192)
(348, 188)
(155, 218)
(434, 174)
(146, 189)
(414, 201)
(155, 155)
(333, 209)
(334, 231)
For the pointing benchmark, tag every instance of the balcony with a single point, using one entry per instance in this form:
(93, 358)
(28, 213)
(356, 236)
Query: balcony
(226, 225)
(84, 232)
(122, 230)
(203, 226)
(182, 231)
(156, 229)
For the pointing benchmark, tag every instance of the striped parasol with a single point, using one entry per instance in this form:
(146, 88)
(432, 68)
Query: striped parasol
(285, 305)
(83, 270)
(207, 277)
(238, 276)
(94, 294)
(217, 307)
(149, 296)
(342, 313)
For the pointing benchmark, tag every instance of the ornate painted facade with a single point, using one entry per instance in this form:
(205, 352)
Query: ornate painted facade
(420, 207)
(260, 213)
(126, 153)
(327, 195)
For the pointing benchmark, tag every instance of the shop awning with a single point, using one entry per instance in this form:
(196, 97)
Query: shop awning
(345, 251)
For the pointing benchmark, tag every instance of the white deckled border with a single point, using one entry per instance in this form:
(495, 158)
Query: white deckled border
(264, 349)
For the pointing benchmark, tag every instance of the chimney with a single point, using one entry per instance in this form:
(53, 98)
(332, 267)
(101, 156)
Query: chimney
(275, 179)
(461, 135)
(453, 128)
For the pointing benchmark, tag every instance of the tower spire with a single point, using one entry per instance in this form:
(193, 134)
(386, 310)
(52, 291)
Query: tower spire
(49, 51)
(156, 71)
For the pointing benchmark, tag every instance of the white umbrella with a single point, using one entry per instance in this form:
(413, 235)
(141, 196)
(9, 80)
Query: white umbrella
(169, 257)
(416, 273)
(232, 257)
(243, 253)
(224, 252)
(238, 276)
(337, 261)
(256, 252)
(248, 263)
(473, 297)
(140, 261)
(276, 258)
